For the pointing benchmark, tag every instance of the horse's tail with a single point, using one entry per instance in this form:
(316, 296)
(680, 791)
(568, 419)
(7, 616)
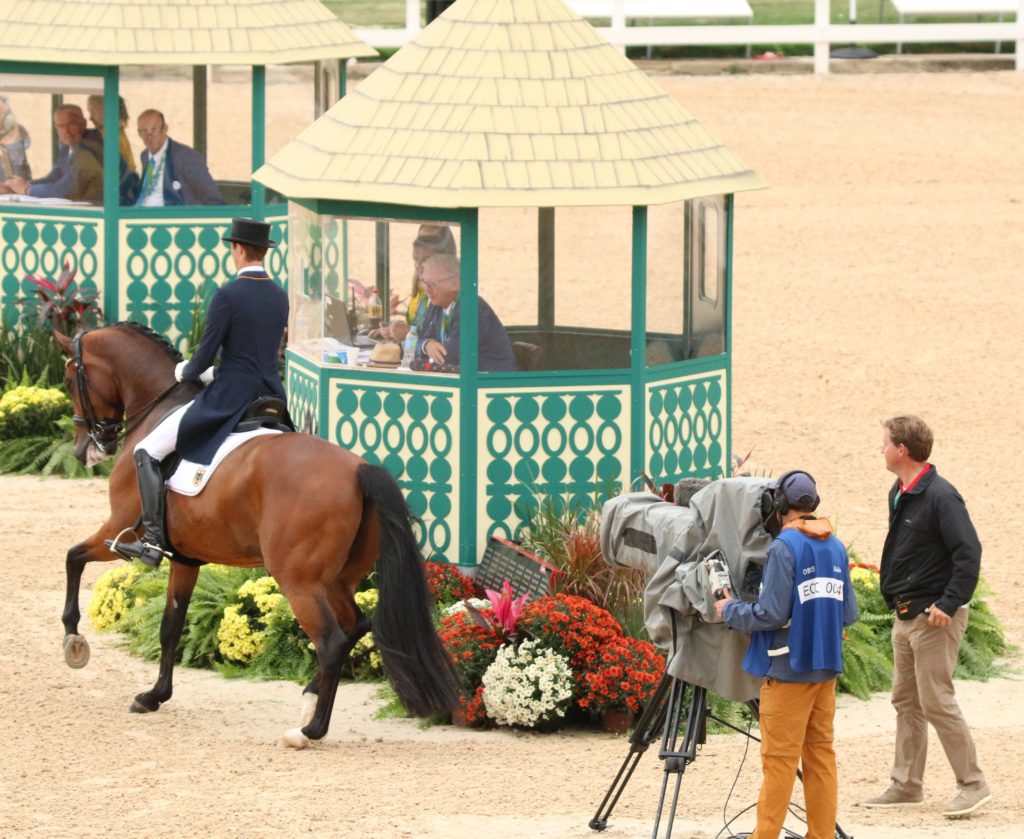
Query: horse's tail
(403, 627)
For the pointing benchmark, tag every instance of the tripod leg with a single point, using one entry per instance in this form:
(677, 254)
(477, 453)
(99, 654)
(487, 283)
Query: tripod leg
(676, 759)
(646, 731)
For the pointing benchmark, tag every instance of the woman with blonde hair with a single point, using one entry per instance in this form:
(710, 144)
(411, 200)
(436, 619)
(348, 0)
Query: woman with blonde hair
(431, 239)
(128, 175)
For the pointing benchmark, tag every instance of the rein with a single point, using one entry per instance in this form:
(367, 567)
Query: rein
(106, 434)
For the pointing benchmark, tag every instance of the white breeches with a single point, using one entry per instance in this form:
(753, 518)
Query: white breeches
(163, 439)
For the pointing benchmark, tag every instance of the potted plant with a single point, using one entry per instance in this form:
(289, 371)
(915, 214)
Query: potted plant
(624, 679)
(528, 685)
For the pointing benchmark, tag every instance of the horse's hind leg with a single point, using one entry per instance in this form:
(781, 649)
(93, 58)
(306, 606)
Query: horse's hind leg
(361, 627)
(315, 616)
(179, 593)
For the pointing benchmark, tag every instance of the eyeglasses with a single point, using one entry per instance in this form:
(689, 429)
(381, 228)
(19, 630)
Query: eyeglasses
(437, 282)
(152, 132)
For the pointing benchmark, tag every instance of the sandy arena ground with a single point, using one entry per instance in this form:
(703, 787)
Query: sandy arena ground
(875, 276)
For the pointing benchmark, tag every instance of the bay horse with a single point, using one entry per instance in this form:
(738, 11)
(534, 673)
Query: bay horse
(315, 515)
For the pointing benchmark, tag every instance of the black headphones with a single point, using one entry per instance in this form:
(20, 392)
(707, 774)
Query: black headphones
(773, 498)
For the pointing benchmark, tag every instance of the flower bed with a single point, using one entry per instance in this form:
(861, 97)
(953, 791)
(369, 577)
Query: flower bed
(534, 666)
(531, 669)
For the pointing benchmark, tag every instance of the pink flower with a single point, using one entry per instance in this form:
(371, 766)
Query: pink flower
(507, 608)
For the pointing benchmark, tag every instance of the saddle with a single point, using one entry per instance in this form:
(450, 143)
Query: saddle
(265, 412)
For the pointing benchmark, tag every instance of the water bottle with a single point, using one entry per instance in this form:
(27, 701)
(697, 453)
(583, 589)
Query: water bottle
(375, 308)
(409, 347)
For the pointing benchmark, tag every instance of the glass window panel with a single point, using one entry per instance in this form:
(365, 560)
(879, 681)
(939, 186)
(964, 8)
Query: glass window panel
(666, 283)
(305, 286)
(592, 278)
(706, 322)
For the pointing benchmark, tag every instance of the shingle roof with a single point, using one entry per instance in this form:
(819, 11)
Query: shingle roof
(507, 103)
(112, 32)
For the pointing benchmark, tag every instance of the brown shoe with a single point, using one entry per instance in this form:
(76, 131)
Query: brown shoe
(893, 797)
(966, 801)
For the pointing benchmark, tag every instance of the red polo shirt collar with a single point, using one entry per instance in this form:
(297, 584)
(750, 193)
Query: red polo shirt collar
(913, 483)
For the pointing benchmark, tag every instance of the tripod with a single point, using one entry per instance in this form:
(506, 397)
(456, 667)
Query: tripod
(673, 700)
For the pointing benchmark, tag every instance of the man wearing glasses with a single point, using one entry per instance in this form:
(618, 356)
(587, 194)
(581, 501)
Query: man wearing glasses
(172, 173)
(439, 342)
(77, 174)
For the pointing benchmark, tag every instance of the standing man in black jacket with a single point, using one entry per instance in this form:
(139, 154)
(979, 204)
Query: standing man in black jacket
(930, 566)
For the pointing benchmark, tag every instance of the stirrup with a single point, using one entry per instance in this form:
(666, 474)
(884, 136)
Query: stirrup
(147, 553)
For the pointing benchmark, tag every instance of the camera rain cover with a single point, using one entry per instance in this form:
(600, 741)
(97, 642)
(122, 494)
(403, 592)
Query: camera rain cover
(639, 530)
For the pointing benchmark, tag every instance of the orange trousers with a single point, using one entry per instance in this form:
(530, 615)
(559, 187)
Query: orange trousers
(796, 728)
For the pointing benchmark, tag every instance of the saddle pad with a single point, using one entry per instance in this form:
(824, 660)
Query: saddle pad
(190, 478)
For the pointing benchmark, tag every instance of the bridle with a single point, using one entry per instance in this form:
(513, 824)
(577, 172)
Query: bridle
(106, 434)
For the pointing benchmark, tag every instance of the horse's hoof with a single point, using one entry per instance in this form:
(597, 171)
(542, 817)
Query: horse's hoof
(143, 705)
(293, 738)
(76, 651)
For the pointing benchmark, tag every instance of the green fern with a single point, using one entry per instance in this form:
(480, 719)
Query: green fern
(866, 666)
(49, 455)
(287, 652)
(391, 707)
(984, 642)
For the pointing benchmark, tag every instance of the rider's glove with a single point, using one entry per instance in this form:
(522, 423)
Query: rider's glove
(179, 370)
(206, 377)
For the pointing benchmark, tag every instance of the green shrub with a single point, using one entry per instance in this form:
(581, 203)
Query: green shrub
(867, 653)
(49, 455)
(567, 537)
(29, 411)
(238, 622)
(29, 355)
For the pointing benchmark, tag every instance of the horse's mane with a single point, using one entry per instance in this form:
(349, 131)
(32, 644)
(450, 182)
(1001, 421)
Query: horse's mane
(155, 337)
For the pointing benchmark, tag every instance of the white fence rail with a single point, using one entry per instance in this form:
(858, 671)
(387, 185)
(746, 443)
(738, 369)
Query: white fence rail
(822, 34)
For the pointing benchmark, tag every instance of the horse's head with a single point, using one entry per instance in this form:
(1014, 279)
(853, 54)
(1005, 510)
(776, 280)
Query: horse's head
(95, 395)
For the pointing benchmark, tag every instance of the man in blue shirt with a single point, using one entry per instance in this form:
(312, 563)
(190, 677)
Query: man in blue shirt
(797, 622)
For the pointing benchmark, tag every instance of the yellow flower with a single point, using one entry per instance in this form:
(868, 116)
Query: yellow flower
(864, 576)
(236, 639)
(264, 592)
(365, 645)
(112, 597)
(367, 600)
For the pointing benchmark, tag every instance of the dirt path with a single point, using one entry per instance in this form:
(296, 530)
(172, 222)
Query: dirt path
(878, 274)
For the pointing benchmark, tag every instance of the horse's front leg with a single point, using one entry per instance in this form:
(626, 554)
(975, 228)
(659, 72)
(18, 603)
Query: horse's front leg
(76, 647)
(179, 592)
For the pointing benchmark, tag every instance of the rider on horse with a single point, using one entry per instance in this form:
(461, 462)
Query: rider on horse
(245, 322)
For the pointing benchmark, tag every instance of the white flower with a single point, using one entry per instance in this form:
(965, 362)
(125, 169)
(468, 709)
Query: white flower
(527, 685)
(476, 602)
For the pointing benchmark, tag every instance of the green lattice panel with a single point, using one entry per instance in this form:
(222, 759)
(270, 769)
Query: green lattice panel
(169, 264)
(569, 445)
(303, 388)
(413, 431)
(686, 427)
(36, 245)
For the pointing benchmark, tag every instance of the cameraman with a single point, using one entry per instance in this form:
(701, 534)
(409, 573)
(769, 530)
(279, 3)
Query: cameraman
(797, 623)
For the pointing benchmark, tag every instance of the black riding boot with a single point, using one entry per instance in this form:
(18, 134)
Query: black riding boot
(151, 548)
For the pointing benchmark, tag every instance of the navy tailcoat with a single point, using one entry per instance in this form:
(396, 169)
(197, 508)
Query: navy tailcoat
(246, 321)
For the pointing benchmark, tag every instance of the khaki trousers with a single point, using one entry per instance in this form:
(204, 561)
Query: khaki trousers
(924, 658)
(796, 727)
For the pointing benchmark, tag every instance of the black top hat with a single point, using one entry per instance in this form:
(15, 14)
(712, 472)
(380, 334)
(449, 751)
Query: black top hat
(248, 231)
